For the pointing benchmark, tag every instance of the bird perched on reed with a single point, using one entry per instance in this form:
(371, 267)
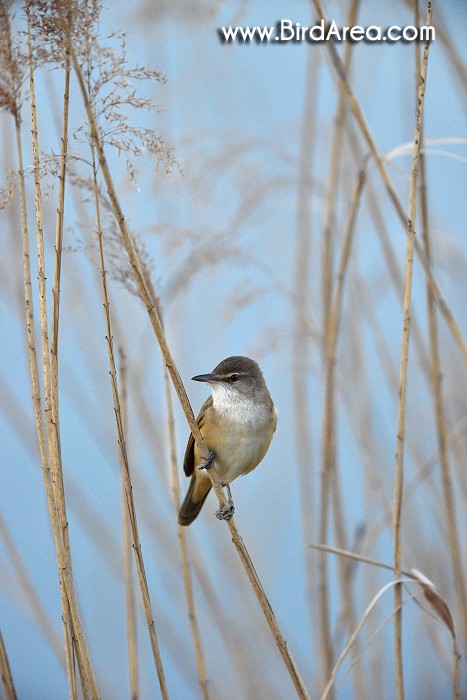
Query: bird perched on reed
(237, 422)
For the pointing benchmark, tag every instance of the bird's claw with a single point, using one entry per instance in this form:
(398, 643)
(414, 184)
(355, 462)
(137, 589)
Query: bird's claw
(208, 462)
(227, 512)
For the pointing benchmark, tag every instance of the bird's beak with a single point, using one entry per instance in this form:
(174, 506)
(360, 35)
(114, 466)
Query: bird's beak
(204, 378)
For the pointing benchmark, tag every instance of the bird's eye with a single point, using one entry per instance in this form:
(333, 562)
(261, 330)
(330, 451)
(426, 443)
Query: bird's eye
(233, 378)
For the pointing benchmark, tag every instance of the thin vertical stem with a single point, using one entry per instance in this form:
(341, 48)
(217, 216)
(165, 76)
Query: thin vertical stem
(328, 438)
(329, 476)
(54, 407)
(30, 328)
(187, 577)
(335, 162)
(71, 609)
(436, 378)
(124, 456)
(36, 390)
(451, 48)
(38, 408)
(127, 555)
(58, 247)
(300, 340)
(401, 410)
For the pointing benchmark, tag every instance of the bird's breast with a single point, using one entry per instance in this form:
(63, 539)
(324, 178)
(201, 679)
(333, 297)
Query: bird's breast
(239, 438)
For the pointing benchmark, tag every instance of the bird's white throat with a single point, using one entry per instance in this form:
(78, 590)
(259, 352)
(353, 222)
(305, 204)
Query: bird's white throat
(237, 407)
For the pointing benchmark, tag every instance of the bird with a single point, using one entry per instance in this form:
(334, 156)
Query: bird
(237, 423)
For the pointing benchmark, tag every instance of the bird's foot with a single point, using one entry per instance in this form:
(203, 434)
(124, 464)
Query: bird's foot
(208, 462)
(227, 512)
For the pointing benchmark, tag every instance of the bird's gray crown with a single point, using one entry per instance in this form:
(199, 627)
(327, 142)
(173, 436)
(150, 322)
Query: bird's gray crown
(237, 364)
(241, 375)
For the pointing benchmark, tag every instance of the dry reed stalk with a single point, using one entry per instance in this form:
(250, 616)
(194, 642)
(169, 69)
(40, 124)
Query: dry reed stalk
(401, 409)
(359, 409)
(328, 449)
(132, 638)
(72, 621)
(59, 245)
(436, 378)
(178, 384)
(395, 275)
(123, 450)
(326, 692)
(453, 53)
(335, 162)
(54, 408)
(34, 374)
(448, 492)
(5, 672)
(373, 562)
(302, 419)
(384, 237)
(355, 557)
(29, 302)
(379, 161)
(370, 641)
(384, 354)
(389, 255)
(32, 355)
(30, 593)
(187, 578)
(329, 468)
(431, 595)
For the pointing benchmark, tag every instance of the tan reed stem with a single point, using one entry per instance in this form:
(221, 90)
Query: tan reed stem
(182, 535)
(335, 162)
(76, 634)
(436, 379)
(187, 577)
(302, 418)
(123, 453)
(401, 411)
(351, 640)
(58, 248)
(132, 637)
(413, 576)
(329, 476)
(54, 407)
(38, 409)
(329, 469)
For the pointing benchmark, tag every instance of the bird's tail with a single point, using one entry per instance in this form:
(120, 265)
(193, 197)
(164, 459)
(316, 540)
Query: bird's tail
(194, 499)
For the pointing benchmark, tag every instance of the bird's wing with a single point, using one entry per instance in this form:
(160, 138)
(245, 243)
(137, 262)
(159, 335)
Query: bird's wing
(189, 460)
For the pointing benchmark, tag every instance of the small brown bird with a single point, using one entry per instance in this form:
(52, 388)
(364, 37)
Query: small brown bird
(237, 422)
